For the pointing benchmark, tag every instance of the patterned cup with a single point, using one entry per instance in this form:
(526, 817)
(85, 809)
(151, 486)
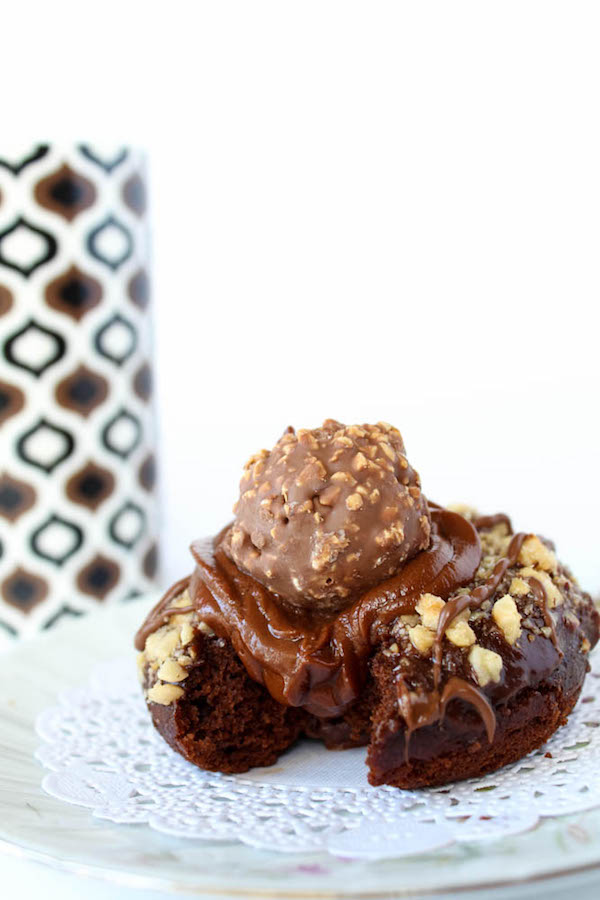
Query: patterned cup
(78, 517)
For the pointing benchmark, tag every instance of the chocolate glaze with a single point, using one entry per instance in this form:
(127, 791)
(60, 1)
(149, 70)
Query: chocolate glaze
(318, 660)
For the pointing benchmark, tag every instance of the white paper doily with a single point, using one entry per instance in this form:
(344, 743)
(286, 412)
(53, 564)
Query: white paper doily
(105, 754)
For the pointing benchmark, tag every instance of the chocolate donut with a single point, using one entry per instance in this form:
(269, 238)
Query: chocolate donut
(468, 654)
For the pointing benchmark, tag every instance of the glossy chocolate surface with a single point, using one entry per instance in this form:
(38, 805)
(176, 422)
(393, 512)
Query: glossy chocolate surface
(311, 659)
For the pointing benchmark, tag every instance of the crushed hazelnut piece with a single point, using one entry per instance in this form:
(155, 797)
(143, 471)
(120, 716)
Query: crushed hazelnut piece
(165, 694)
(354, 501)
(421, 638)
(389, 514)
(519, 588)
(187, 634)
(486, 664)
(160, 644)
(535, 553)
(343, 476)
(460, 633)
(172, 671)
(429, 608)
(506, 616)
(360, 461)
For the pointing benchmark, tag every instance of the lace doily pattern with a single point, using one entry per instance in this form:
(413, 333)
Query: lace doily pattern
(104, 754)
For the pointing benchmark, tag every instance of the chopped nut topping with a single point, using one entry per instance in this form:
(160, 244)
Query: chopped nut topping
(165, 694)
(421, 638)
(171, 671)
(360, 461)
(429, 608)
(354, 501)
(460, 633)
(187, 634)
(327, 548)
(535, 553)
(330, 495)
(305, 437)
(553, 594)
(160, 644)
(506, 616)
(389, 514)
(395, 534)
(486, 664)
(343, 476)
(237, 537)
(572, 618)
(519, 588)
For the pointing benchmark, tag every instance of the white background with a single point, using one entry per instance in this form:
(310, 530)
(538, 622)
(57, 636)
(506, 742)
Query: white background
(361, 210)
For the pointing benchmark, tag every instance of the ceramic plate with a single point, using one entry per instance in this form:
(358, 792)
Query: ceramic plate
(561, 854)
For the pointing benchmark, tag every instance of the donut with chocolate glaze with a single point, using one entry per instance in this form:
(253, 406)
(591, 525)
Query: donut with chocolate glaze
(466, 657)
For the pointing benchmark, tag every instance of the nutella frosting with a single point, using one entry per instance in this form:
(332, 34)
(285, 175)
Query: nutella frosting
(318, 659)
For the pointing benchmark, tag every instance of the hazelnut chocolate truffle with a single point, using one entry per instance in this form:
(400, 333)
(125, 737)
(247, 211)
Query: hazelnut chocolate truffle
(328, 512)
(343, 606)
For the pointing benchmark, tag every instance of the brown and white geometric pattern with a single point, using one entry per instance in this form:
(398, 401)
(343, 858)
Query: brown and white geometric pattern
(78, 511)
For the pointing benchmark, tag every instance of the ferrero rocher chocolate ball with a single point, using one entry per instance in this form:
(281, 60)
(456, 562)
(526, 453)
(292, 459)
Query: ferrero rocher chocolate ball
(328, 512)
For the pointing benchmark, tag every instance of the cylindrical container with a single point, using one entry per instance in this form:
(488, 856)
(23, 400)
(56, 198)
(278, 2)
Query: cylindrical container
(78, 516)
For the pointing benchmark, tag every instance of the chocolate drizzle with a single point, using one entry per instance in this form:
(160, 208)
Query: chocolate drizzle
(540, 594)
(486, 523)
(419, 710)
(474, 599)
